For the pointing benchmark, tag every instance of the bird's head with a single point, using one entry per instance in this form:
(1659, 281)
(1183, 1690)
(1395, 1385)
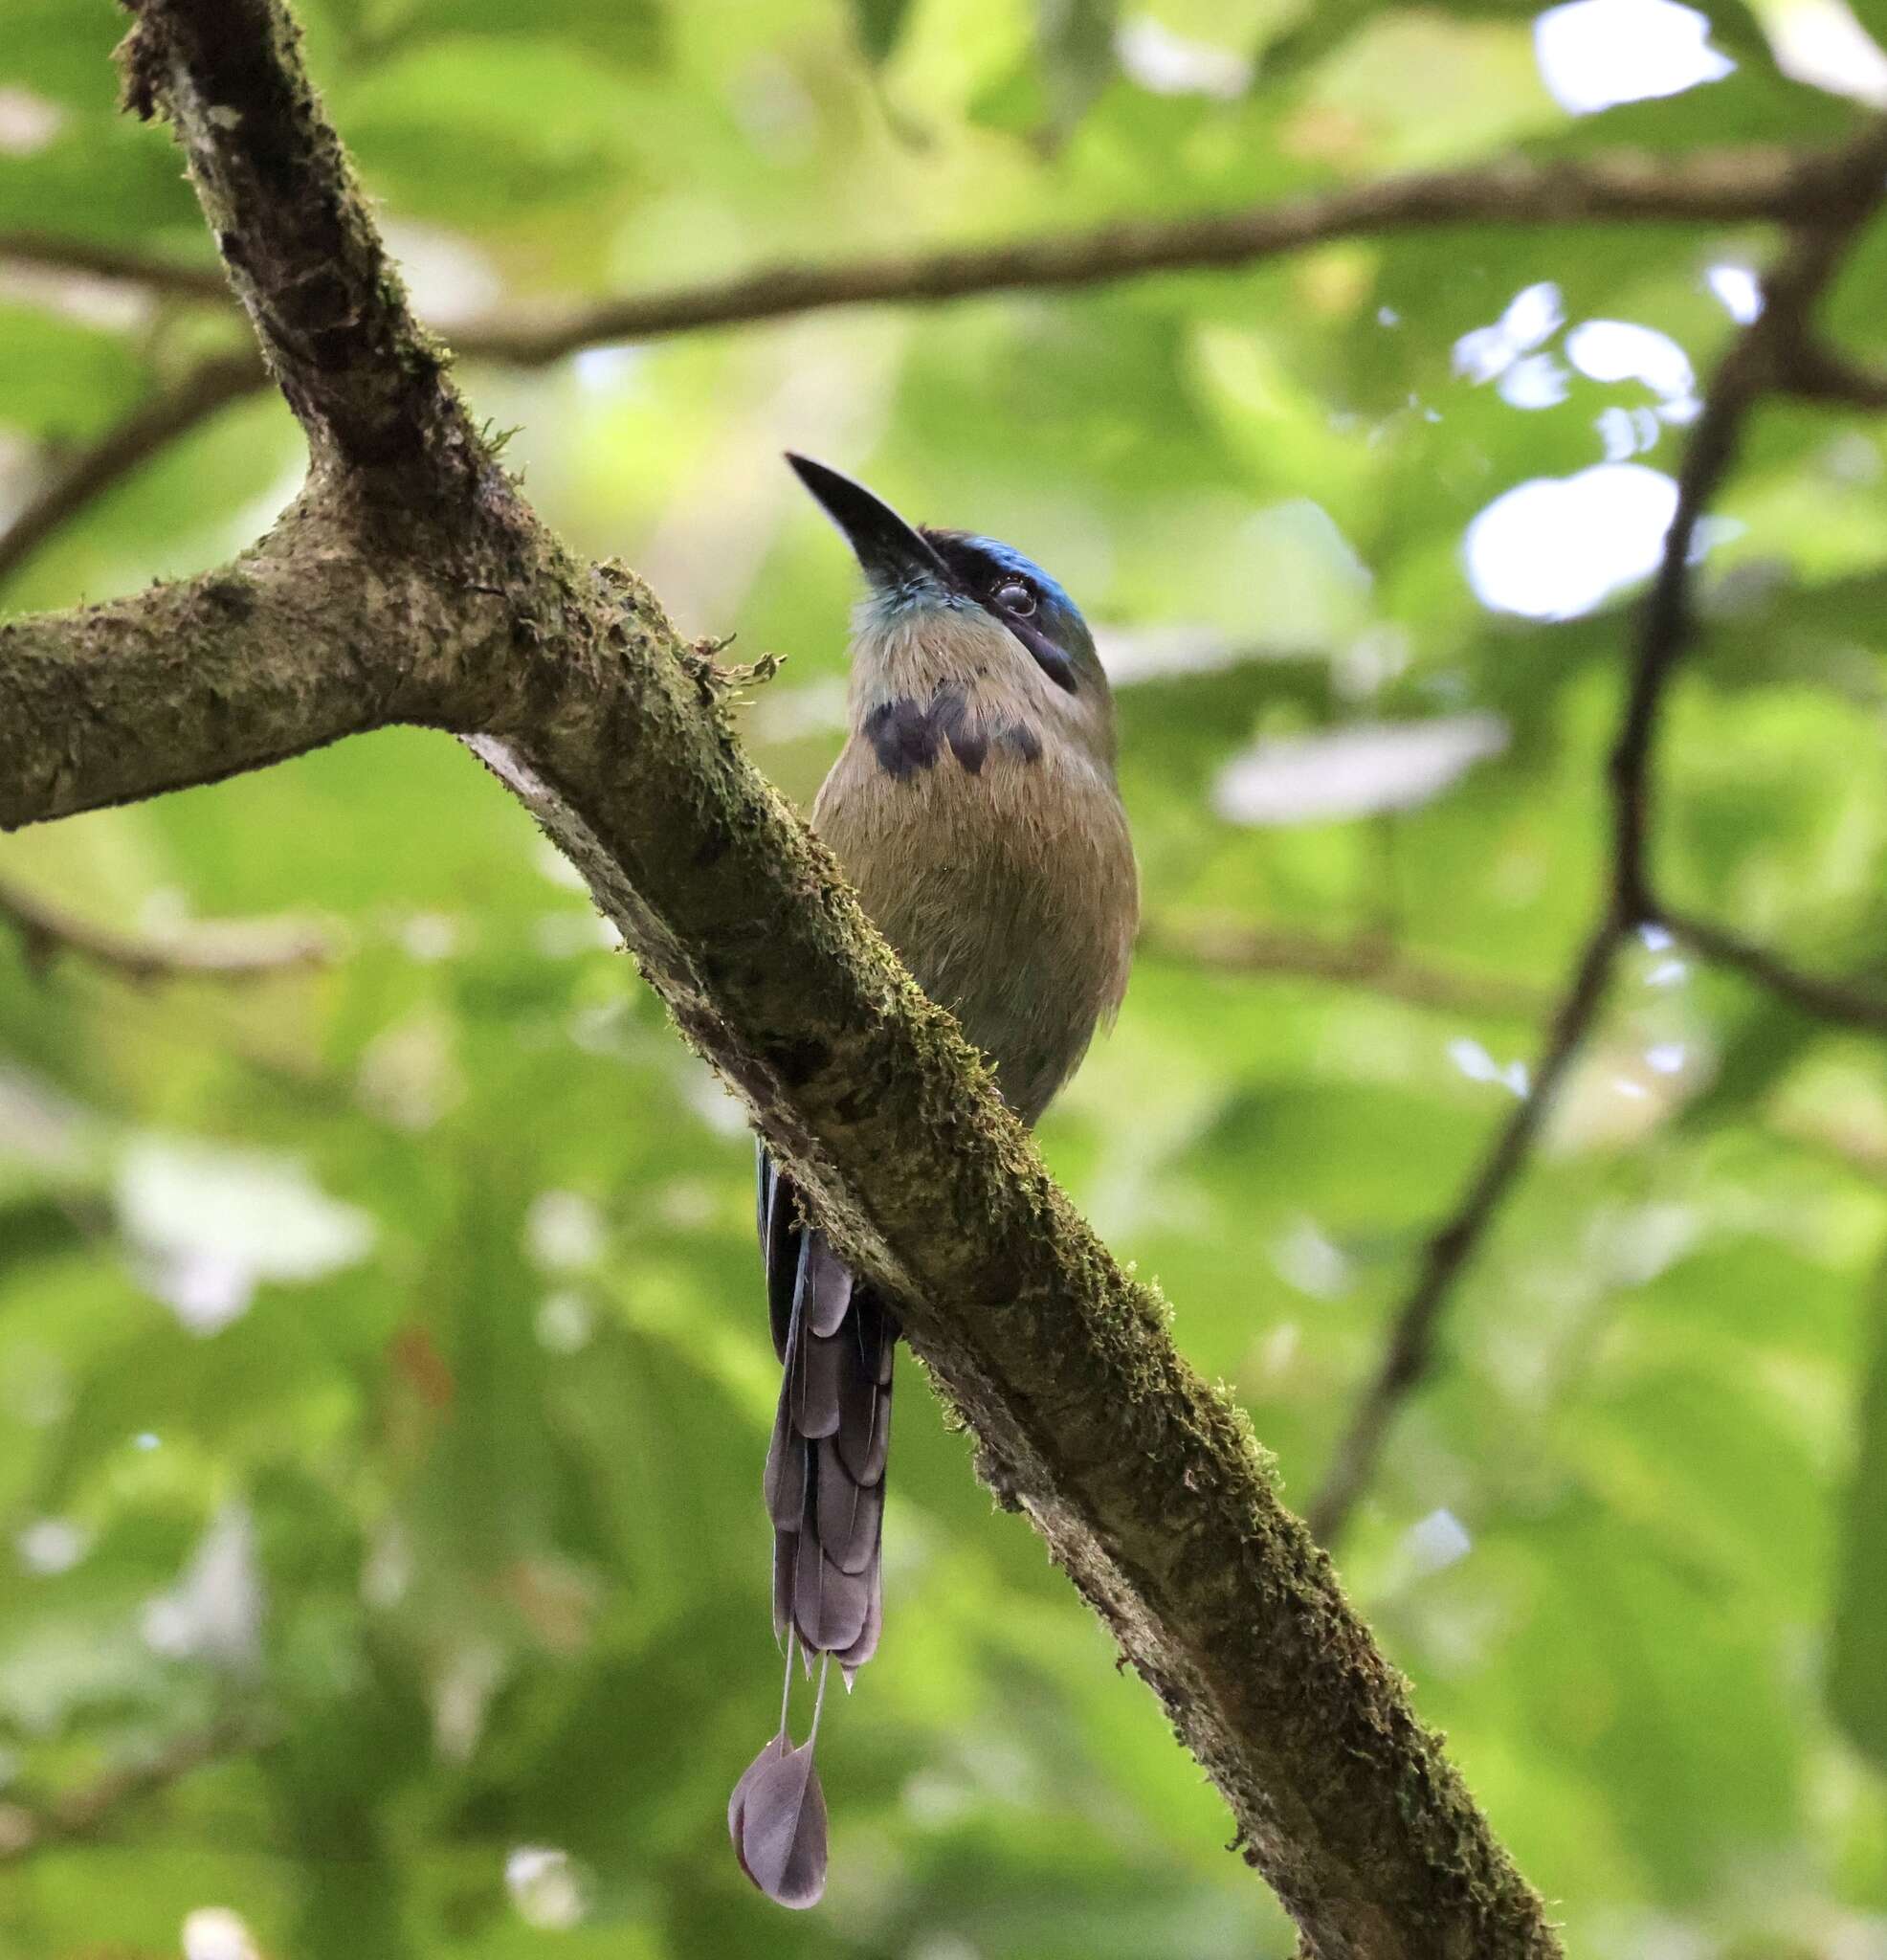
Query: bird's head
(915, 571)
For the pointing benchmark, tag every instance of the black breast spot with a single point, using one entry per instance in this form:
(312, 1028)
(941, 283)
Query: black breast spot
(1020, 738)
(970, 747)
(951, 718)
(907, 736)
(901, 736)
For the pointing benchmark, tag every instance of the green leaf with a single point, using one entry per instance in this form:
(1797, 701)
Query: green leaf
(1075, 39)
(62, 48)
(459, 128)
(631, 31)
(880, 23)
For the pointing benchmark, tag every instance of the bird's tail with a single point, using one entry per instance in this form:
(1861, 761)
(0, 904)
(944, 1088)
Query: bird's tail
(825, 1467)
(825, 1494)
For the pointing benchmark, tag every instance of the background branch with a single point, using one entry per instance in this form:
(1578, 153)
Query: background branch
(81, 479)
(1831, 999)
(1760, 360)
(1717, 186)
(1369, 961)
(1739, 184)
(212, 951)
(1709, 187)
(91, 258)
(1818, 374)
(1409, 1353)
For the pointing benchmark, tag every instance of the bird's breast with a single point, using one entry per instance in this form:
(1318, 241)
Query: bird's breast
(990, 849)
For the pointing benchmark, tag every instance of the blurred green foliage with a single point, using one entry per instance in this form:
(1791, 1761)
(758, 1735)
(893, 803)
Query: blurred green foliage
(381, 1370)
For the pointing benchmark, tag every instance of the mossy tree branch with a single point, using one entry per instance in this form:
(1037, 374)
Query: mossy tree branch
(411, 583)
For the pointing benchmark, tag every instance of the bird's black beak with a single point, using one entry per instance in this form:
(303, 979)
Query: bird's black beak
(892, 552)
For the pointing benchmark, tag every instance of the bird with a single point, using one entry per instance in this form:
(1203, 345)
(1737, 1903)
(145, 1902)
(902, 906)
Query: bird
(975, 811)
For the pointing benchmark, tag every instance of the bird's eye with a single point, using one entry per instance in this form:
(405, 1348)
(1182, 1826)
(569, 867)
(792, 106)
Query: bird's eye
(1014, 596)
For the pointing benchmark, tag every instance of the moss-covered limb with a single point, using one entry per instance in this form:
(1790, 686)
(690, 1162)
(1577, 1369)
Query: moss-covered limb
(302, 253)
(296, 643)
(459, 609)
(1145, 1483)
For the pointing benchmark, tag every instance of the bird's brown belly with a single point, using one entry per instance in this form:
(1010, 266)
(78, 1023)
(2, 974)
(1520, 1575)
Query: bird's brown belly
(1009, 890)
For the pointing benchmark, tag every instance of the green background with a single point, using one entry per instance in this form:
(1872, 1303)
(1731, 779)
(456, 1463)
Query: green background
(382, 1373)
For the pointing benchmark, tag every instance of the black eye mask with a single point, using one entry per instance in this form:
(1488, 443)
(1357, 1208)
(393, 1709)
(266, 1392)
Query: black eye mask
(983, 578)
(1047, 656)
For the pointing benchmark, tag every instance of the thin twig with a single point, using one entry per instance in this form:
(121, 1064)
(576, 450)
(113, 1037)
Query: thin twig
(93, 259)
(147, 429)
(1819, 373)
(1814, 994)
(1759, 362)
(1368, 961)
(218, 951)
(1409, 1351)
(1756, 363)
